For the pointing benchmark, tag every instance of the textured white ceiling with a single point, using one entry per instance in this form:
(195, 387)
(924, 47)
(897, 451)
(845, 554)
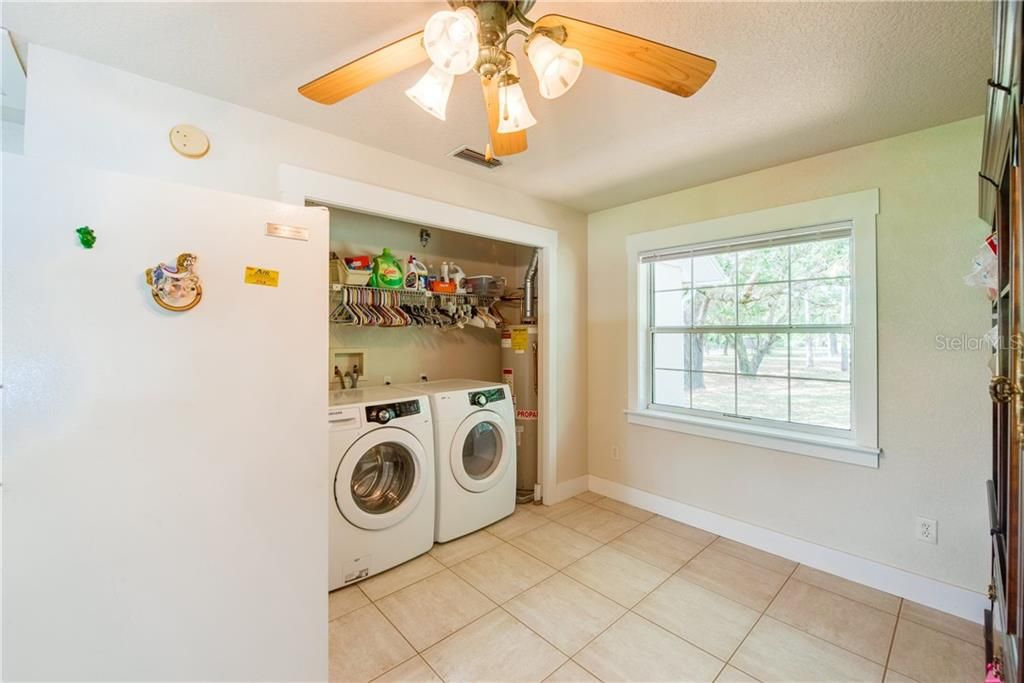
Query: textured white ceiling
(793, 80)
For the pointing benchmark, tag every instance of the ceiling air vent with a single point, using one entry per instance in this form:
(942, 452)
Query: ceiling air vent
(475, 157)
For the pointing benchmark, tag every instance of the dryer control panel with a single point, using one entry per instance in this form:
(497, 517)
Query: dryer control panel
(482, 398)
(386, 412)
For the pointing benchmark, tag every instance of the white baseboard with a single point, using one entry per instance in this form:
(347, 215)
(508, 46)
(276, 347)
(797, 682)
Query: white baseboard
(930, 592)
(567, 489)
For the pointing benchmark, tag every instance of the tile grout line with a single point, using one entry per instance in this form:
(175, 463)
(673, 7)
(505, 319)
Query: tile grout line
(497, 605)
(764, 612)
(399, 632)
(627, 610)
(419, 580)
(531, 630)
(936, 630)
(815, 636)
(798, 565)
(847, 597)
(859, 602)
(406, 661)
(892, 640)
(419, 653)
(761, 616)
(864, 604)
(501, 606)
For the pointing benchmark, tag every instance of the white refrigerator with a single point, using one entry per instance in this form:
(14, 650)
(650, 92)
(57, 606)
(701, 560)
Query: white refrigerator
(163, 488)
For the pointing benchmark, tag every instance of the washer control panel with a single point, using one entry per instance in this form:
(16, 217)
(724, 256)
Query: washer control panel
(482, 398)
(386, 412)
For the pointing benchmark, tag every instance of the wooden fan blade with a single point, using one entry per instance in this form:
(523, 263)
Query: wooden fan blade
(349, 79)
(504, 144)
(645, 61)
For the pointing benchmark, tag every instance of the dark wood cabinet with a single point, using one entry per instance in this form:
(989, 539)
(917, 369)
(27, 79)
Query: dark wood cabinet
(1000, 205)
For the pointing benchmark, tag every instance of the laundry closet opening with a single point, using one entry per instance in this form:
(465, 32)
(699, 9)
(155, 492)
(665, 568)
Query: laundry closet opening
(412, 303)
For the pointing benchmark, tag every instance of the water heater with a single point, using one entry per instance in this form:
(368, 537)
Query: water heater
(519, 372)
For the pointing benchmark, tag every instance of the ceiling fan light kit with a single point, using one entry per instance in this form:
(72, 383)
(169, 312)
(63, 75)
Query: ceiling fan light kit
(475, 35)
(515, 112)
(431, 92)
(557, 67)
(451, 40)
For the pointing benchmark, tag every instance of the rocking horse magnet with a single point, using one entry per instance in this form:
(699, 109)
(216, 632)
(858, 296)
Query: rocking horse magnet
(176, 288)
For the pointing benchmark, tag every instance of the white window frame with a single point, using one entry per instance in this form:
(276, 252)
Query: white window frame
(860, 445)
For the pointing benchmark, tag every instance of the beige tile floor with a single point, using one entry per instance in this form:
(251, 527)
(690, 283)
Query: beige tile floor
(594, 589)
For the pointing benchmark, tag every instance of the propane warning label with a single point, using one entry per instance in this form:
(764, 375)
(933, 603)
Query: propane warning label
(523, 414)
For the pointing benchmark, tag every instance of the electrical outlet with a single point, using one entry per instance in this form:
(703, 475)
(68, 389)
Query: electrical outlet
(926, 530)
(615, 453)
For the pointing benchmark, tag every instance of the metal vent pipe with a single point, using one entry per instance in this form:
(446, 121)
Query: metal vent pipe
(529, 312)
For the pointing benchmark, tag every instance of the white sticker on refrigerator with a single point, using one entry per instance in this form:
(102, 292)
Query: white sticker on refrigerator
(290, 232)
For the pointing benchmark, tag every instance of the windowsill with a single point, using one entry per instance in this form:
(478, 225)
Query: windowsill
(814, 445)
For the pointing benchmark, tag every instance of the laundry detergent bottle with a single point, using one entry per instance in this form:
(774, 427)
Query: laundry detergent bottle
(415, 274)
(387, 271)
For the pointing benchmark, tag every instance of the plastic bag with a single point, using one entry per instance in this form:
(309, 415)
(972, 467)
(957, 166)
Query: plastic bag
(985, 271)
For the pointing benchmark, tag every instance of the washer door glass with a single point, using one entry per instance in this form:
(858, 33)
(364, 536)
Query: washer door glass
(482, 451)
(383, 478)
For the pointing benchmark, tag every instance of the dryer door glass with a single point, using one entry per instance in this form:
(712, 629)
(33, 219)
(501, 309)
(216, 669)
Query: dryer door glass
(383, 478)
(481, 451)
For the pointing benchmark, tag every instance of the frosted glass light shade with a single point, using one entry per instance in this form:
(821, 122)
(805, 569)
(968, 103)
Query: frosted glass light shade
(450, 39)
(431, 92)
(514, 112)
(557, 67)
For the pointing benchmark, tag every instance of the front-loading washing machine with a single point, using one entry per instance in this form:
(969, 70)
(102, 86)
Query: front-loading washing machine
(381, 473)
(475, 446)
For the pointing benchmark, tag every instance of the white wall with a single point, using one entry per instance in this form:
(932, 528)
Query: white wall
(934, 412)
(12, 116)
(404, 353)
(89, 114)
(13, 140)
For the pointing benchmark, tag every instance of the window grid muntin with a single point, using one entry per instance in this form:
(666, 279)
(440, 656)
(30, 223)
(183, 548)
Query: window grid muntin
(788, 329)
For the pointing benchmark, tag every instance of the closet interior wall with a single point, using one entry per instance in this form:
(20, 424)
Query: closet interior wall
(404, 353)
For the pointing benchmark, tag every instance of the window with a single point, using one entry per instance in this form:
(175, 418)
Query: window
(755, 329)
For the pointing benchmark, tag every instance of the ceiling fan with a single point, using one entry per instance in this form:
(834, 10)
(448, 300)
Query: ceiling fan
(474, 35)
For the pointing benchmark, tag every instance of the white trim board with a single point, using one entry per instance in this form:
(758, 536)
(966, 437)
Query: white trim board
(929, 592)
(567, 489)
(297, 185)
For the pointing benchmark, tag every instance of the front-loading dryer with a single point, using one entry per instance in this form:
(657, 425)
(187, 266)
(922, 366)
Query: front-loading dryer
(475, 445)
(381, 474)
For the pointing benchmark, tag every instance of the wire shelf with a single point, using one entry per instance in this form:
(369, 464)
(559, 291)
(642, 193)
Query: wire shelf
(387, 307)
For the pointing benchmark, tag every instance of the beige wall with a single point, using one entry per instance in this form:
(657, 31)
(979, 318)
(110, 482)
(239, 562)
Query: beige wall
(404, 353)
(119, 122)
(933, 407)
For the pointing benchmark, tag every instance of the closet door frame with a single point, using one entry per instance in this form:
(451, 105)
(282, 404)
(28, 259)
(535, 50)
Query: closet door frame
(299, 186)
